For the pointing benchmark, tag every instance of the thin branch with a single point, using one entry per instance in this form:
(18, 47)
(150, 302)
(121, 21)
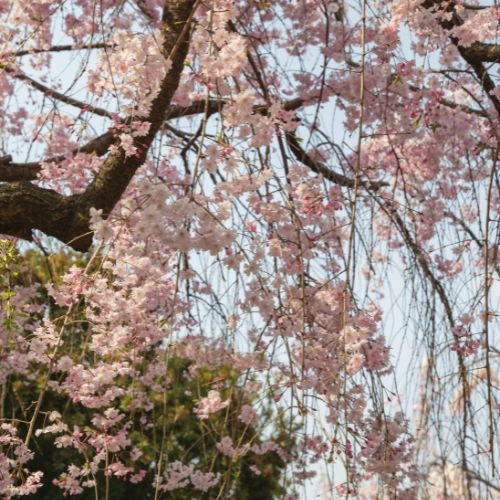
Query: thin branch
(56, 48)
(454, 105)
(320, 168)
(55, 94)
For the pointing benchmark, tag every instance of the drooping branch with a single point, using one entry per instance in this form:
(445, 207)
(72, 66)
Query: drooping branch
(323, 170)
(24, 207)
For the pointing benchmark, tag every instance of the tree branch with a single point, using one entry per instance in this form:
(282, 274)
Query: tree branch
(24, 207)
(482, 52)
(13, 172)
(55, 94)
(57, 48)
(474, 55)
(454, 105)
(323, 170)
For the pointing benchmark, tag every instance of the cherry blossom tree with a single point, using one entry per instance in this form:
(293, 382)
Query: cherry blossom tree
(304, 191)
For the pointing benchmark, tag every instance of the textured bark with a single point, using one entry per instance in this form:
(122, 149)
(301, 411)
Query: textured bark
(24, 207)
(482, 52)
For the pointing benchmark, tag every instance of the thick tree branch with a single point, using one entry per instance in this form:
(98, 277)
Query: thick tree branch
(24, 207)
(14, 172)
(482, 52)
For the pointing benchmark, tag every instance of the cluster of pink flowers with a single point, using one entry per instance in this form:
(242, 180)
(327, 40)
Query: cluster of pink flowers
(14, 456)
(211, 404)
